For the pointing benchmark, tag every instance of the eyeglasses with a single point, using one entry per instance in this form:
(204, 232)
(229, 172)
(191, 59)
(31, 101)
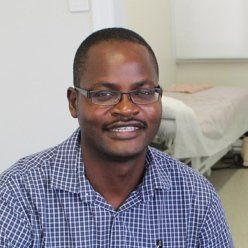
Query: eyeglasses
(112, 97)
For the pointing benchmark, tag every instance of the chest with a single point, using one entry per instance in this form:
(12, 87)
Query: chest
(66, 221)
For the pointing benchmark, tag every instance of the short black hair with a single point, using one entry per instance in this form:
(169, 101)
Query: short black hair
(107, 34)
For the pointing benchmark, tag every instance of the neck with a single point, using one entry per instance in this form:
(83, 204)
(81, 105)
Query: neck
(113, 179)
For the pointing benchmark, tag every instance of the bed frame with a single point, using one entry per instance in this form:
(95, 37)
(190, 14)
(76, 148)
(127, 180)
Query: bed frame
(204, 164)
(201, 164)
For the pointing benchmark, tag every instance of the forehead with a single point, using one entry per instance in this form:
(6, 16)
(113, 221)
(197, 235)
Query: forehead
(111, 47)
(118, 58)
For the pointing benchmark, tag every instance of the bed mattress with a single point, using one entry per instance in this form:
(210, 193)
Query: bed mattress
(204, 122)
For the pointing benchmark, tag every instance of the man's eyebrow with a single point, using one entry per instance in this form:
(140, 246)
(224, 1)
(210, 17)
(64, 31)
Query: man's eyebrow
(143, 82)
(114, 85)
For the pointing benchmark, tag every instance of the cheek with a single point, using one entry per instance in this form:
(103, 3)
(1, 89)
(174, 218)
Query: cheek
(89, 125)
(91, 117)
(153, 114)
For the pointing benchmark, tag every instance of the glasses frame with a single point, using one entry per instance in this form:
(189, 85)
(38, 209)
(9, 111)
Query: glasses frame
(88, 94)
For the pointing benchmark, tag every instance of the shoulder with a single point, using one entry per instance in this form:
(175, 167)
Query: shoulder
(26, 173)
(42, 164)
(192, 192)
(26, 185)
(182, 177)
(28, 166)
(29, 176)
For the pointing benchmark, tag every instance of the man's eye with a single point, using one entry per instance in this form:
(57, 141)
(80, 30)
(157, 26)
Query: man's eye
(103, 95)
(144, 92)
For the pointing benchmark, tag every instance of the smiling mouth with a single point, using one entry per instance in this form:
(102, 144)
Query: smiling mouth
(122, 126)
(128, 130)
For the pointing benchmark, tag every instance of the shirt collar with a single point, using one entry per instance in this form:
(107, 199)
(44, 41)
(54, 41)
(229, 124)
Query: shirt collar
(157, 176)
(68, 171)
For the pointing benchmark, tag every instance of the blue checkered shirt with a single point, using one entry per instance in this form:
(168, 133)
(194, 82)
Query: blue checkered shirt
(46, 201)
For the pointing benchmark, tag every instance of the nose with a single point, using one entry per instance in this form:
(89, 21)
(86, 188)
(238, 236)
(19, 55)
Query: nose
(125, 107)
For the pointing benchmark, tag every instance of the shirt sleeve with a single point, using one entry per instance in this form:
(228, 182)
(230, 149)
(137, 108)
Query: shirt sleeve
(215, 232)
(14, 230)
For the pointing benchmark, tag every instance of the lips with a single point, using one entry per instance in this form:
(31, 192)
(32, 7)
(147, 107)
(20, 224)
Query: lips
(129, 126)
(125, 130)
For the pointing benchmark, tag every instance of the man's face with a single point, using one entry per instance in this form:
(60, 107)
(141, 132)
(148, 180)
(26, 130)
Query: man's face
(123, 130)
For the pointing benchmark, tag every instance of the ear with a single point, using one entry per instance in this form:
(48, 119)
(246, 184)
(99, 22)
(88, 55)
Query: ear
(72, 100)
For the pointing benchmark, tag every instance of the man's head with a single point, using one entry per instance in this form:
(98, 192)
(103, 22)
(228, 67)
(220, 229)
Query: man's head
(122, 129)
(108, 34)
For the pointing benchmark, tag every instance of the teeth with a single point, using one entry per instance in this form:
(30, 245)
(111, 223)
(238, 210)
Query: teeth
(125, 129)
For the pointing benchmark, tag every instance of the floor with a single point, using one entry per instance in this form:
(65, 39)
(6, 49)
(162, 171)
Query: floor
(232, 187)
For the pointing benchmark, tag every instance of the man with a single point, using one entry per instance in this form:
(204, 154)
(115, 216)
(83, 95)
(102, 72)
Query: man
(104, 187)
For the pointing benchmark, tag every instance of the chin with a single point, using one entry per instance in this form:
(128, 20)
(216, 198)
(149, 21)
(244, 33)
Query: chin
(122, 154)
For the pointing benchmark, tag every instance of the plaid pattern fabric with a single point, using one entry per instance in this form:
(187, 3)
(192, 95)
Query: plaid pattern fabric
(46, 201)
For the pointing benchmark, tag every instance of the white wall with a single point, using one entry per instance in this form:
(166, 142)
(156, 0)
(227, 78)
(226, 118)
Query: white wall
(212, 42)
(37, 45)
(152, 19)
(211, 29)
(216, 73)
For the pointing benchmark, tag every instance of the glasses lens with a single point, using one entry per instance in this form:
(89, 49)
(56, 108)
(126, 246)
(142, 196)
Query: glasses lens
(105, 97)
(145, 96)
(108, 97)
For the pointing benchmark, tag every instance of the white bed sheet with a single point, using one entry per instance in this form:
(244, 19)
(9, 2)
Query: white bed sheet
(207, 121)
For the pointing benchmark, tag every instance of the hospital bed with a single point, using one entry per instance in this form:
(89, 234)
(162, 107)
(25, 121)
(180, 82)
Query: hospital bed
(201, 127)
